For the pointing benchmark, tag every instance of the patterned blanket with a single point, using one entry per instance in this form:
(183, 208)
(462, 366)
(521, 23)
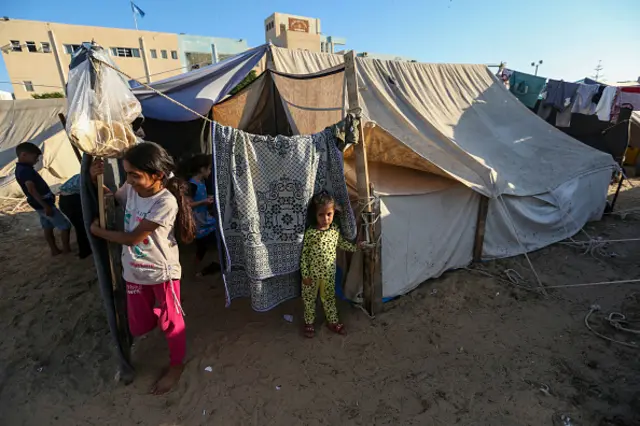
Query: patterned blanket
(264, 185)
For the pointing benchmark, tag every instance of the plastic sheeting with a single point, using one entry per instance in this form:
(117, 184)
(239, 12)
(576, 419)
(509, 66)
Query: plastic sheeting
(35, 121)
(199, 89)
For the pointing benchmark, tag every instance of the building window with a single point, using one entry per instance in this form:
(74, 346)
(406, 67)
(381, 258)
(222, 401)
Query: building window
(71, 48)
(15, 46)
(28, 86)
(154, 54)
(125, 52)
(164, 54)
(174, 54)
(31, 47)
(46, 47)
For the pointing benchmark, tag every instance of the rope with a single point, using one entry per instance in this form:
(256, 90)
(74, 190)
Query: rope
(596, 308)
(596, 246)
(515, 232)
(596, 284)
(616, 320)
(157, 92)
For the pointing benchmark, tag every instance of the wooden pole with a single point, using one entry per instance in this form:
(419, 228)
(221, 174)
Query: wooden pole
(364, 189)
(481, 222)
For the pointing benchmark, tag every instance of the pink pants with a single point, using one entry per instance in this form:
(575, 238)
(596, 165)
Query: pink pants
(152, 305)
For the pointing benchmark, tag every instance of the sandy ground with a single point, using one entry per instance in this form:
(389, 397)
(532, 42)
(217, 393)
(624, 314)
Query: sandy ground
(475, 352)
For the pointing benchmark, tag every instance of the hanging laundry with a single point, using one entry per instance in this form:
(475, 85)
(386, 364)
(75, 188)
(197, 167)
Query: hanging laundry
(598, 95)
(630, 95)
(526, 87)
(560, 96)
(264, 186)
(605, 105)
(583, 103)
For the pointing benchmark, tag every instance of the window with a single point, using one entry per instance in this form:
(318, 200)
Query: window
(15, 46)
(164, 54)
(31, 46)
(154, 54)
(174, 54)
(125, 52)
(46, 47)
(28, 86)
(71, 48)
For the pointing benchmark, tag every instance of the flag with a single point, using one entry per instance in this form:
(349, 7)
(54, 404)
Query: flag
(136, 10)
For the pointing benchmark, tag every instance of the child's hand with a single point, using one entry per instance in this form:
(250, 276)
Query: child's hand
(307, 281)
(209, 200)
(48, 210)
(97, 168)
(95, 227)
(363, 245)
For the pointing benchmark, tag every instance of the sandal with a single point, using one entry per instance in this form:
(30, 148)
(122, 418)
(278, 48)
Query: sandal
(309, 331)
(337, 328)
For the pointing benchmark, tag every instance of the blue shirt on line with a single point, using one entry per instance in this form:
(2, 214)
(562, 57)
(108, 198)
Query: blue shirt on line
(26, 173)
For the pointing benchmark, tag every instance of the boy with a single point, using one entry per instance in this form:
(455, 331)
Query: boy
(40, 197)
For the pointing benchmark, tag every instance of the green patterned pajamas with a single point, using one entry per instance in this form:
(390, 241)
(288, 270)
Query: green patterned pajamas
(318, 263)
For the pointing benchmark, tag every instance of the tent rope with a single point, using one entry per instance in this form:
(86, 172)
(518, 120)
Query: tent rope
(596, 308)
(157, 92)
(524, 251)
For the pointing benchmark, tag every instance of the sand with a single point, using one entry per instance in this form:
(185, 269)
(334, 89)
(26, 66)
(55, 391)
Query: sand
(463, 349)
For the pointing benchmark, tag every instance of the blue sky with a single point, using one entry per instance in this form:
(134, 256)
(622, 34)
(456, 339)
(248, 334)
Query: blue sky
(570, 36)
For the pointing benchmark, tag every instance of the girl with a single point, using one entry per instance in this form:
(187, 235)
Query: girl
(197, 170)
(318, 263)
(156, 209)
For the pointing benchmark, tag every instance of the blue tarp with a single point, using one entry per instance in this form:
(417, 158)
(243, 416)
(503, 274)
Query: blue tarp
(199, 89)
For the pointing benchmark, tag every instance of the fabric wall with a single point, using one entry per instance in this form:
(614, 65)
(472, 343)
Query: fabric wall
(544, 219)
(35, 121)
(303, 62)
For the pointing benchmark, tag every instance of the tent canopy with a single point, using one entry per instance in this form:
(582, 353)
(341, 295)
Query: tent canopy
(35, 121)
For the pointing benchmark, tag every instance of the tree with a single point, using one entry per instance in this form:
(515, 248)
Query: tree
(48, 95)
(245, 82)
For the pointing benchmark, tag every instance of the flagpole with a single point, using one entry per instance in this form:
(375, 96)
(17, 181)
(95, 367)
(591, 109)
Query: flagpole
(135, 20)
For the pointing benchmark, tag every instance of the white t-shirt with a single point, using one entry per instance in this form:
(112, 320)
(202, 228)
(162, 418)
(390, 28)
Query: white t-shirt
(156, 259)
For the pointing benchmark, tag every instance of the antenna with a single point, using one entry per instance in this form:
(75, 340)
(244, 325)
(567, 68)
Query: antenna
(597, 76)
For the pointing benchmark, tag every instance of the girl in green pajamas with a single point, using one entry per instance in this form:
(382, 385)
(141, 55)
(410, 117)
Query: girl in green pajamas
(318, 263)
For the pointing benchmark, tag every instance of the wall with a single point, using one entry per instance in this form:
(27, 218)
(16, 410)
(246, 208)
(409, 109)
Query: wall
(41, 68)
(293, 39)
(201, 44)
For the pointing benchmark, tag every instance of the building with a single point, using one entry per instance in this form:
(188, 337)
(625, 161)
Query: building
(37, 54)
(299, 32)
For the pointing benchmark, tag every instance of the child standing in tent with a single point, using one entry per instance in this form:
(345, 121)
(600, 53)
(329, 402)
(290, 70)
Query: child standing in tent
(318, 263)
(156, 209)
(197, 170)
(40, 197)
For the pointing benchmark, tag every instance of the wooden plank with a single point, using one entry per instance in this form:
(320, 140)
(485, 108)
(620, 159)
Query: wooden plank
(376, 258)
(483, 209)
(371, 296)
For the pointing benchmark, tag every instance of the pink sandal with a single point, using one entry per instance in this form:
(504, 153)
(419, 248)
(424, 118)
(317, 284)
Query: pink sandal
(337, 328)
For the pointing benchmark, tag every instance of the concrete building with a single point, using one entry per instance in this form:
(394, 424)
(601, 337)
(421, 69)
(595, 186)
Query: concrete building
(299, 32)
(198, 51)
(37, 54)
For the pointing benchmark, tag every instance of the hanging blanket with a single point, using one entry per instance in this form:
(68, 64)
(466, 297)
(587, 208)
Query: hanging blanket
(264, 185)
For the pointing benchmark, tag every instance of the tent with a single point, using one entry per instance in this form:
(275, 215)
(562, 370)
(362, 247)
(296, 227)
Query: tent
(444, 142)
(35, 121)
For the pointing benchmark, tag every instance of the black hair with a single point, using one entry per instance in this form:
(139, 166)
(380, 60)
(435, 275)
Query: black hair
(191, 166)
(322, 198)
(27, 147)
(151, 158)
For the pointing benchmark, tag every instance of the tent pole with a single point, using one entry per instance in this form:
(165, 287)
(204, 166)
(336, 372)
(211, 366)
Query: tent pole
(372, 299)
(483, 209)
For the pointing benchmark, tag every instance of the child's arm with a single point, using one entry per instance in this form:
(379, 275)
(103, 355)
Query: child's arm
(305, 260)
(346, 245)
(31, 187)
(142, 231)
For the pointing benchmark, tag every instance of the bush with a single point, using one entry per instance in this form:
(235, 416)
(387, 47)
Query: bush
(49, 95)
(245, 82)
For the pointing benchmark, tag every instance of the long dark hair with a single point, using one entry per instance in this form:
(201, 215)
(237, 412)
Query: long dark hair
(151, 158)
(322, 198)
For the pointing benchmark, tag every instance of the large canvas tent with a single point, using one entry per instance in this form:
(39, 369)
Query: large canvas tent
(441, 139)
(35, 121)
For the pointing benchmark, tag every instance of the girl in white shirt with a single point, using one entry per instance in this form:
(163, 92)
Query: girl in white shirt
(156, 211)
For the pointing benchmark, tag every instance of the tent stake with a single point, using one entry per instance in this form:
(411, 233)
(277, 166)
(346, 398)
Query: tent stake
(364, 194)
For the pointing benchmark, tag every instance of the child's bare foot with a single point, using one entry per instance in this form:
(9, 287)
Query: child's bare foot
(168, 380)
